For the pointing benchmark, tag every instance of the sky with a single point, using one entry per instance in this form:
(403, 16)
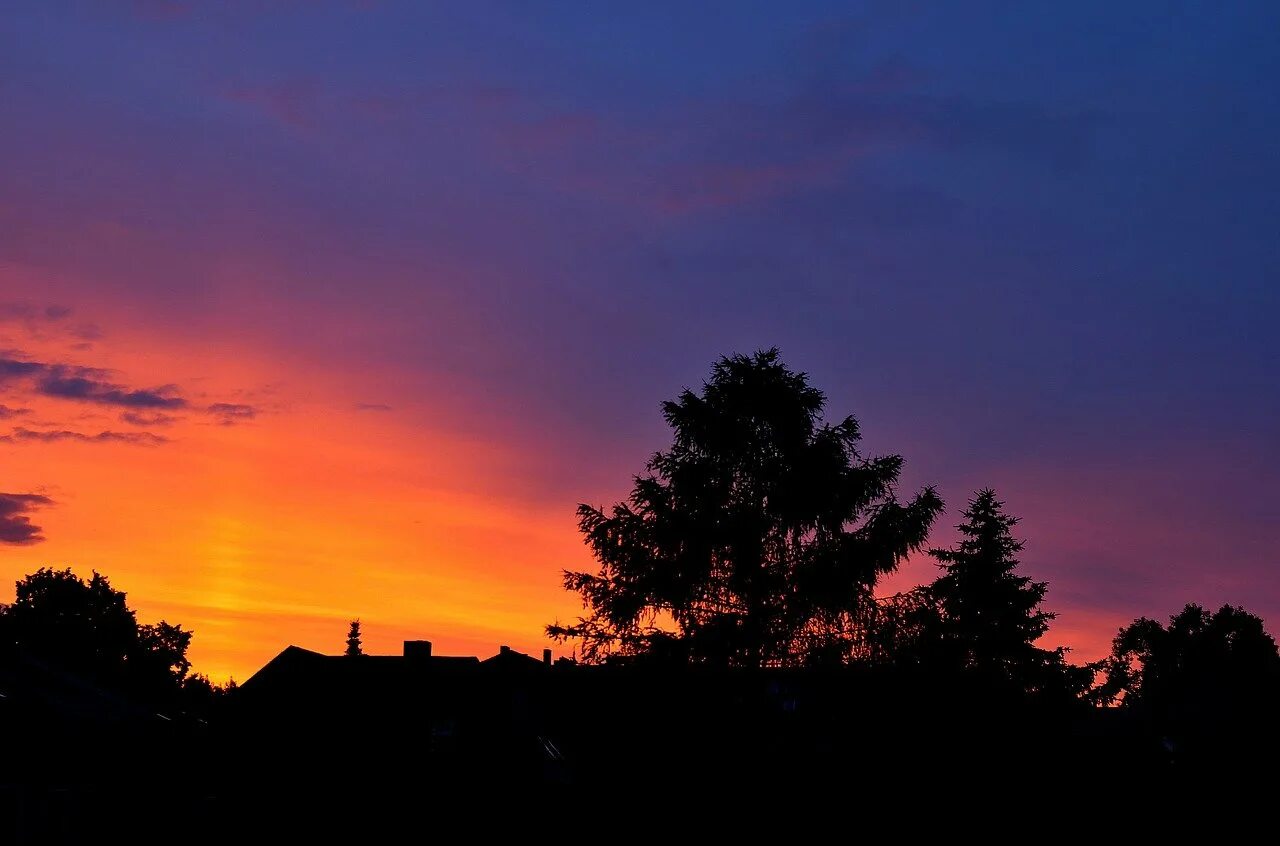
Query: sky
(312, 311)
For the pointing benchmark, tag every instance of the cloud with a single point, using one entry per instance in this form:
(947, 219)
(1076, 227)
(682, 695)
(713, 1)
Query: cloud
(86, 384)
(760, 150)
(28, 312)
(230, 413)
(78, 383)
(142, 418)
(46, 322)
(372, 406)
(12, 369)
(87, 331)
(21, 435)
(15, 526)
(95, 386)
(7, 413)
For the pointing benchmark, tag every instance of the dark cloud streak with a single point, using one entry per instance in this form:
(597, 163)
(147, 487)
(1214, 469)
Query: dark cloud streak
(95, 386)
(79, 384)
(21, 435)
(230, 413)
(16, 527)
(13, 369)
(136, 418)
(86, 384)
(28, 312)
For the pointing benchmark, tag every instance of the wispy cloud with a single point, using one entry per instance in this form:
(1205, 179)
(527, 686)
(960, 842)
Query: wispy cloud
(12, 369)
(16, 527)
(230, 413)
(21, 435)
(85, 384)
(92, 386)
(26, 311)
(372, 406)
(816, 135)
(143, 418)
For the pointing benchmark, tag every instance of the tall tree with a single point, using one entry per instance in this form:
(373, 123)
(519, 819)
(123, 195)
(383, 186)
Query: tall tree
(353, 639)
(984, 615)
(991, 615)
(756, 539)
(87, 627)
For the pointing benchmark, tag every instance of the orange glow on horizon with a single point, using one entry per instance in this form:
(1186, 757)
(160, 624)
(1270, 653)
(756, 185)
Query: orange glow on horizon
(281, 529)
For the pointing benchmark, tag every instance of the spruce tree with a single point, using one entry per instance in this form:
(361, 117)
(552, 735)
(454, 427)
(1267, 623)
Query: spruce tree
(353, 639)
(990, 616)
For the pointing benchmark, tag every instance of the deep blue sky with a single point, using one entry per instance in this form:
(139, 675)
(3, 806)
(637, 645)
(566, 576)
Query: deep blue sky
(1029, 245)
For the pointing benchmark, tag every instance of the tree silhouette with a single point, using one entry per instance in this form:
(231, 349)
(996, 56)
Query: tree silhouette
(756, 539)
(1208, 682)
(87, 628)
(353, 639)
(1227, 651)
(980, 614)
(990, 615)
(202, 697)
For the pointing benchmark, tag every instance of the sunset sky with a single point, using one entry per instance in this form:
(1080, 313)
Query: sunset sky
(320, 310)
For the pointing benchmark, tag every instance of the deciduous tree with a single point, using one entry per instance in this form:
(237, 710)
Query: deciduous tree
(86, 627)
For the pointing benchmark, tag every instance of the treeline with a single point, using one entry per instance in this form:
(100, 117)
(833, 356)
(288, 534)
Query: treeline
(758, 539)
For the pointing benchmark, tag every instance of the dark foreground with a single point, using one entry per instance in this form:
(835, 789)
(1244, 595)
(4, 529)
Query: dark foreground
(323, 748)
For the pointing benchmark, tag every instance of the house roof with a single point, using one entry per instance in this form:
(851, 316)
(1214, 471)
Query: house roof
(509, 659)
(296, 667)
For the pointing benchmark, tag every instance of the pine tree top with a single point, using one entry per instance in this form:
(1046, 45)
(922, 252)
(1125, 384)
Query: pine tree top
(353, 639)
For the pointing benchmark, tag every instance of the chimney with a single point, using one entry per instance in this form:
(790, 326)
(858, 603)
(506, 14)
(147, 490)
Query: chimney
(503, 650)
(417, 649)
(546, 657)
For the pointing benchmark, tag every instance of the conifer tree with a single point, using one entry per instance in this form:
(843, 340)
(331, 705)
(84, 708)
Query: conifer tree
(990, 615)
(353, 639)
(985, 616)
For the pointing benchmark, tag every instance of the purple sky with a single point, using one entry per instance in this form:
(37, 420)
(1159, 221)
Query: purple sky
(1032, 246)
